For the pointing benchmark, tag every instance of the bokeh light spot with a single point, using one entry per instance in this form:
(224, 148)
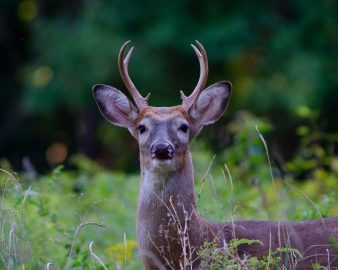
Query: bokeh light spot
(56, 153)
(42, 76)
(334, 164)
(27, 10)
(303, 111)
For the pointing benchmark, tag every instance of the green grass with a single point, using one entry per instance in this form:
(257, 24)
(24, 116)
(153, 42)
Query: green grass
(53, 211)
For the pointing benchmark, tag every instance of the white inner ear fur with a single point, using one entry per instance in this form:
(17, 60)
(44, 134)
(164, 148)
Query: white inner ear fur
(115, 106)
(121, 103)
(210, 105)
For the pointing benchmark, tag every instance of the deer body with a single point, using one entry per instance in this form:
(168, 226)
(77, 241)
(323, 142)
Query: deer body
(160, 243)
(170, 230)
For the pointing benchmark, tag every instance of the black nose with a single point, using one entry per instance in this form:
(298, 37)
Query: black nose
(162, 150)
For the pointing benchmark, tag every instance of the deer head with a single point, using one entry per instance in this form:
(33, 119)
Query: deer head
(163, 133)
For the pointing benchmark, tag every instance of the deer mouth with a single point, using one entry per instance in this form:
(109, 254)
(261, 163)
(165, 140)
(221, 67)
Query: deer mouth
(163, 163)
(162, 158)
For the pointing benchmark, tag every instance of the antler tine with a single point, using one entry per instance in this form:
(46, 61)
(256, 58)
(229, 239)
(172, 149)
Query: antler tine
(203, 60)
(140, 101)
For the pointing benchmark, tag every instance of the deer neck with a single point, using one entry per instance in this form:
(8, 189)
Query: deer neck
(166, 205)
(165, 200)
(163, 187)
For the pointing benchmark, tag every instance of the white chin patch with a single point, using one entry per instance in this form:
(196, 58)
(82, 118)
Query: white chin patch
(162, 164)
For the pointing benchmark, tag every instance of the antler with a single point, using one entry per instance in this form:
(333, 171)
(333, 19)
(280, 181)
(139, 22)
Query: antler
(140, 101)
(203, 60)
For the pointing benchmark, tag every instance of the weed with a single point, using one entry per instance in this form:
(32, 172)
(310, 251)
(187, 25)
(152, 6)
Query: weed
(214, 257)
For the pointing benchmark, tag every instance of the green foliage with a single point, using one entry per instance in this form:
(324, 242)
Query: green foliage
(250, 189)
(315, 156)
(227, 257)
(265, 51)
(279, 56)
(56, 204)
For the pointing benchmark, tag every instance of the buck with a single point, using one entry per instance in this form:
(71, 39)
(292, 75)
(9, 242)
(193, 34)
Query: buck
(170, 230)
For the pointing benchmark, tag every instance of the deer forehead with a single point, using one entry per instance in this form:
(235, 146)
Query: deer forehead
(163, 114)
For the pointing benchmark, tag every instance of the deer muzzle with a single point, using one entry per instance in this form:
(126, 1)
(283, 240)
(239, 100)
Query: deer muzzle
(162, 150)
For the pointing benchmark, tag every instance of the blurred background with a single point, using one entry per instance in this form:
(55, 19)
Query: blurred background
(281, 57)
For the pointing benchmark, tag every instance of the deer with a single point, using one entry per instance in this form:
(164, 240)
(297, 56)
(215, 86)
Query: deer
(170, 230)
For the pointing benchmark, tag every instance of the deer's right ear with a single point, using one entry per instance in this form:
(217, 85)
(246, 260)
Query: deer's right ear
(115, 106)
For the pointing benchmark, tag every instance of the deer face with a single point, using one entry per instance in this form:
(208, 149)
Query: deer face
(163, 137)
(163, 133)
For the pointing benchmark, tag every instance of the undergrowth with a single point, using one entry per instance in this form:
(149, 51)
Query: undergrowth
(214, 257)
(85, 218)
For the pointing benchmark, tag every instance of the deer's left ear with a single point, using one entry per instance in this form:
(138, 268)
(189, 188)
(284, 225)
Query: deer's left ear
(210, 105)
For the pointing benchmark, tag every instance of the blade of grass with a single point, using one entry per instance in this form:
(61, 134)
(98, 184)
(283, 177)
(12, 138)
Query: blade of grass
(97, 258)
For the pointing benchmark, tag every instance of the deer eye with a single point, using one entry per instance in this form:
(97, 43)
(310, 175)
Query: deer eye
(141, 129)
(184, 128)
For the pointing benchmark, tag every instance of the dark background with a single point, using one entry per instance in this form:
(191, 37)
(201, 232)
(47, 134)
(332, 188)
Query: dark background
(281, 57)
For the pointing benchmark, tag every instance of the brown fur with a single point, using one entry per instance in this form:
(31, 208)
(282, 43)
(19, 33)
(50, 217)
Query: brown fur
(161, 113)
